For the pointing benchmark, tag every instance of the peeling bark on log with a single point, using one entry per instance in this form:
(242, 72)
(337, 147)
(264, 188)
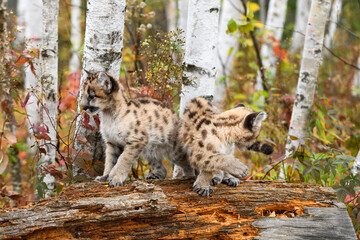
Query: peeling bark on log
(169, 209)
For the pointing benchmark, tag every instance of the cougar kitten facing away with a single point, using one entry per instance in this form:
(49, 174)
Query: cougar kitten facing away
(131, 128)
(210, 137)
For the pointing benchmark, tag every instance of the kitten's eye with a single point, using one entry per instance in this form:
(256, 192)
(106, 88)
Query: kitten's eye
(91, 97)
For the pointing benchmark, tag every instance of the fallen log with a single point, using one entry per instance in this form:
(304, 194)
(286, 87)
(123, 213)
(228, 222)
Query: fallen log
(168, 209)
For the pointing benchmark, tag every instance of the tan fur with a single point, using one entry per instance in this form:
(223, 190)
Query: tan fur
(140, 127)
(210, 137)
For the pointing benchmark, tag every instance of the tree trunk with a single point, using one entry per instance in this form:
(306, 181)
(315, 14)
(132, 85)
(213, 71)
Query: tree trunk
(310, 64)
(200, 53)
(33, 31)
(102, 52)
(263, 11)
(171, 15)
(356, 166)
(301, 19)
(168, 209)
(356, 81)
(49, 79)
(183, 14)
(226, 42)
(274, 27)
(334, 19)
(75, 35)
(200, 50)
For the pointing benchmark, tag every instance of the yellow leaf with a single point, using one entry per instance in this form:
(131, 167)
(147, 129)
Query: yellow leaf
(254, 6)
(258, 24)
(272, 214)
(293, 138)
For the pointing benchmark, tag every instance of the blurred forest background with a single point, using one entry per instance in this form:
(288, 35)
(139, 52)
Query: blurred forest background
(155, 28)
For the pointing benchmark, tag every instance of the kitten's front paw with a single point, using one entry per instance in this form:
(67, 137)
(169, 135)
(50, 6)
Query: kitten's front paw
(102, 178)
(240, 171)
(203, 191)
(116, 182)
(231, 181)
(215, 181)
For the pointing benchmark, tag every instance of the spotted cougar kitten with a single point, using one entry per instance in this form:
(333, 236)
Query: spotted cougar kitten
(131, 128)
(210, 137)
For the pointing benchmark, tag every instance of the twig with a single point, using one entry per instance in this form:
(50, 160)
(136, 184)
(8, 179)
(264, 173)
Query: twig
(258, 56)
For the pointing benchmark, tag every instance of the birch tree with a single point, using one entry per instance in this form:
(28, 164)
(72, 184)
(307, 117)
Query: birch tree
(200, 52)
(262, 4)
(183, 14)
(49, 80)
(334, 18)
(356, 166)
(171, 15)
(33, 31)
(310, 64)
(102, 52)
(226, 43)
(356, 81)
(274, 27)
(75, 34)
(301, 19)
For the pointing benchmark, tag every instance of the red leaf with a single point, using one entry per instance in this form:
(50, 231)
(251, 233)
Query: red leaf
(97, 121)
(41, 129)
(32, 68)
(23, 104)
(5, 108)
(43, 136)
(20, 61)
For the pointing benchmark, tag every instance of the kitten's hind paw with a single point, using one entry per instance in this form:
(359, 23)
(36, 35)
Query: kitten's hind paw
(203, 191)
(215, 181)
(231, 181)
(102, 178)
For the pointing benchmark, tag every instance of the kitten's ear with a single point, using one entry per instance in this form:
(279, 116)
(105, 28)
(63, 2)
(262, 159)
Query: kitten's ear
(254, 120)
(105, 82)
(239, 105)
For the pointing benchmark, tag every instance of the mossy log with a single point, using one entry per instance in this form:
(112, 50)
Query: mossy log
(168, 209)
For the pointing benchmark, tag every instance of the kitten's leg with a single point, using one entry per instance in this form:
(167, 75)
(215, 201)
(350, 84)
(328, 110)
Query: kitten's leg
(228, 164)
(230, 180)
(182, 160)
(217, 179)
(112, 154)
(202, 183)
(121, 169)
(158, 170)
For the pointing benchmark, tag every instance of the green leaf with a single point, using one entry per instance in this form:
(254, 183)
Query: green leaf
(232, 26)
(307, 170)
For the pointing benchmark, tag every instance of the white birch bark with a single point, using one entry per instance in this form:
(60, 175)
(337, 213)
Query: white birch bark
(355, 170)
(102, 52)
(334, 18)
(310, 64)
(230, 9)
(49, 76)
(274, 27)
(20, 19)
(75, 35)
(171, 15)
(183, 14)
(200, 52)
(301, 19)
(356, 81)
(262, 4)
(33, 29)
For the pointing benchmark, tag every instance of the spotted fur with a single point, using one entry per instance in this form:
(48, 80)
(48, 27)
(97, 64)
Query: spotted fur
(210, 137)
(131, 128)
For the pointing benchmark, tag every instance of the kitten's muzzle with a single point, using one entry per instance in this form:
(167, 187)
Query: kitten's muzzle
(90, 108)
